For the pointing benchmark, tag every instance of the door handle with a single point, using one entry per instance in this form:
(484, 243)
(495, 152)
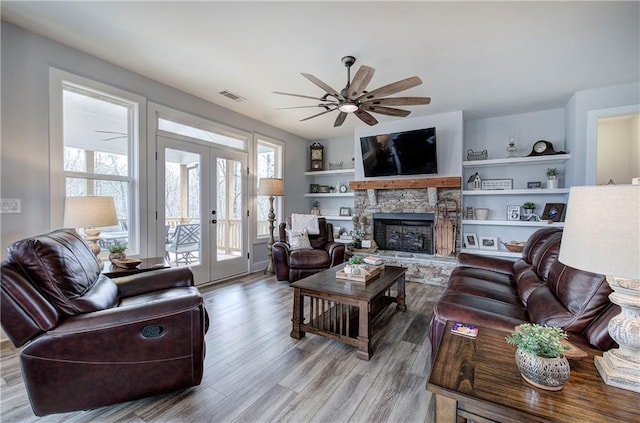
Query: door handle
(214, 221)
(213, 212)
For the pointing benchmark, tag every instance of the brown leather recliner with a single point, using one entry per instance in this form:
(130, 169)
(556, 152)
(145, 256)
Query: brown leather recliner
(92, 341)
(294, 265)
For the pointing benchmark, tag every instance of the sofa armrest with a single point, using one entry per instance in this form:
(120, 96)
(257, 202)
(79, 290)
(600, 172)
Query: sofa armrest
(336, 252)
(155, 280)
(494, 264)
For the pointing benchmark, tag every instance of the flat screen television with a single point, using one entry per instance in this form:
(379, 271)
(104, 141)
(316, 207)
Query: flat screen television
(400, 153)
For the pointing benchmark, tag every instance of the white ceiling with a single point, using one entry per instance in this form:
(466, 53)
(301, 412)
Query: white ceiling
(487, 59)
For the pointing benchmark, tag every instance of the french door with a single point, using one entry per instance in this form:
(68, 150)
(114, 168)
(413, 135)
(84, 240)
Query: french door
(202, 208)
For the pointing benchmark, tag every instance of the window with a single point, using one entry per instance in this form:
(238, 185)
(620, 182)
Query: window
(269, 165)
(94, 141)
(192, 131)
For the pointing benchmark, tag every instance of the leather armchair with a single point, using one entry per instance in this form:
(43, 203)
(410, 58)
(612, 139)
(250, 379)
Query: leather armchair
(92, 341)
(294, 265)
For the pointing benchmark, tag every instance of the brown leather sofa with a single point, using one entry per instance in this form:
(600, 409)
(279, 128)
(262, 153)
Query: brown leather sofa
(294, 265)
(91, 341)
(501, 294)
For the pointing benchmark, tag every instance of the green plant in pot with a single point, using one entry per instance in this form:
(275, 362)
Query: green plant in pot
(353, 267)
(529, 207)
(552, 177)
(117, 252)
(540, 355)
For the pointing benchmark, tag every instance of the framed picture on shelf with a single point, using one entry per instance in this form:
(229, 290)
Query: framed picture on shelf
(534, 185)
(471, 240)
(345, 211)
(323, 189)
(553, 212)
(313, 188)
(488, 243)
(513, 212)
(492, 184)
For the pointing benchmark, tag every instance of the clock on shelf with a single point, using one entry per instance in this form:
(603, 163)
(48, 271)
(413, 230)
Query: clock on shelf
(316, 155)
(543, 148)
(343, 188)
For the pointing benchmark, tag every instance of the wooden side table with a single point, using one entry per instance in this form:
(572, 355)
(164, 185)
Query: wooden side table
(148, 264)
(477, 379)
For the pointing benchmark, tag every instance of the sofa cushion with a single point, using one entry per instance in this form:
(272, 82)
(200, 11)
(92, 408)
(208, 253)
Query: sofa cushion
(571, 298)
(546, 255)
(313, 259)
(63, 267)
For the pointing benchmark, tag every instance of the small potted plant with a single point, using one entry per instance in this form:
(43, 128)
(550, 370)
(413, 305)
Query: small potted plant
(552, 178)
(529, 207)
(353, 268)
(540, 355)
(116, 252)
(332, 189)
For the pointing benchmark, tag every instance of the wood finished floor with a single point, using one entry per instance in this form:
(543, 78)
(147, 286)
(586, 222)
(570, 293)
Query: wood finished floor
(255, 372)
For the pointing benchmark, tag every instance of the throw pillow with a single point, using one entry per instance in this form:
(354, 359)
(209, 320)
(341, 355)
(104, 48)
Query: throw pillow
(298, 240)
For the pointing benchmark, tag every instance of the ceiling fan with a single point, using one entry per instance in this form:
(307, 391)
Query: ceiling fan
(116, 135)
(353, 98)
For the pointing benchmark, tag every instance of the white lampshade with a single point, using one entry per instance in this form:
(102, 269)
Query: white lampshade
(271, 186)
(88, 212)
(602, 230)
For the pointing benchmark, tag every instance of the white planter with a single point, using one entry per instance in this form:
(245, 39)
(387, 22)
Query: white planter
(552, 182)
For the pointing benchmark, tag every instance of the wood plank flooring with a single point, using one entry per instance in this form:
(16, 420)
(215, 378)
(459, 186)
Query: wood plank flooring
(255, 372)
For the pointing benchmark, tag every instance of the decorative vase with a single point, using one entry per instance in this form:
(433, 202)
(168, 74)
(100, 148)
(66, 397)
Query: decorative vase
(552, 182)
(528, 212)
(117, 256)
(315, 211)
(546, 373)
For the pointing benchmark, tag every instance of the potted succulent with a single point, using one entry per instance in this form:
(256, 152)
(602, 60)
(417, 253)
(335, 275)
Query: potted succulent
(529, 208)
(116, 252)
(540, 355)
(552, 178)
(353, 267)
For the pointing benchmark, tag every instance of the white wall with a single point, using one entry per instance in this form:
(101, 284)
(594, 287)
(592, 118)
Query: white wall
(618, 150)
(581, 169)
(26, 58)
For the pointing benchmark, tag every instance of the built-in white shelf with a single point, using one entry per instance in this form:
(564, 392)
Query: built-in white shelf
(492, 253)
(524, 223)
(336, 217)
(331, 172)
(324, 194)
(517, 161)
(532, 191)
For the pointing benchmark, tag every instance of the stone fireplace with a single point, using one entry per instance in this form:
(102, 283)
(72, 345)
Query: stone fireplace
(411, 232)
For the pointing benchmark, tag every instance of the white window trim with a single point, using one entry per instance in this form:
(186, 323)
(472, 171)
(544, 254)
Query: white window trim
(57, 78)
(279, 174)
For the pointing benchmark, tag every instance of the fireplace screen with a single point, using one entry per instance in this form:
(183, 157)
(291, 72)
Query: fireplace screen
(411, 232)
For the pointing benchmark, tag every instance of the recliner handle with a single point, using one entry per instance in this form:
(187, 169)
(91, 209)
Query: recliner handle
(153, 331)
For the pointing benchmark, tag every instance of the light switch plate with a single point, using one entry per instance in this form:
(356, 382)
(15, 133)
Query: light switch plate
(11, 205)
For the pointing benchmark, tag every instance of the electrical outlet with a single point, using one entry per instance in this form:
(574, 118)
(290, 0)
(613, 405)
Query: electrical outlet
(11, 205)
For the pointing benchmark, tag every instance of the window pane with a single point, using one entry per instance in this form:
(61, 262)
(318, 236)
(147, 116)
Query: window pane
(201, 134)
(75, 159)
(110, 164)
(268, 167)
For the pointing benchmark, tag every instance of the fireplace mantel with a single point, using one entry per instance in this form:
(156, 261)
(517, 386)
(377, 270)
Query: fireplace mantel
(444, 182)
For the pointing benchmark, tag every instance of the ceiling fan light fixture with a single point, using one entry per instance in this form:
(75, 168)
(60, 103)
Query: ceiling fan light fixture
(347, 107)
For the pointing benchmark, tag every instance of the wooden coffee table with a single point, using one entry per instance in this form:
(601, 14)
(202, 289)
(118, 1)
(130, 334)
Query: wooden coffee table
(345, 310)
(477, 379)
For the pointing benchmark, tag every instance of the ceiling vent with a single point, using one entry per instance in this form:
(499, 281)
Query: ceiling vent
(232, 96)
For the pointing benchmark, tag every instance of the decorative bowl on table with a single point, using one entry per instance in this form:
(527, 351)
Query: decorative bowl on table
(127, 263)
(514, 246)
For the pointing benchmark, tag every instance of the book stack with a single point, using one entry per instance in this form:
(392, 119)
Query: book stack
(374, 261)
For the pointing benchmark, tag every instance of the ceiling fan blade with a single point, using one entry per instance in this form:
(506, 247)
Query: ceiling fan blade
(316, 115)
(329, 90)
(114, 138)
(305, 96)
(365, 117)
(360, 81)
(394, 87)
(304, 107)
(390, 111)
(340, 119)
(398, 101)
(111, 132)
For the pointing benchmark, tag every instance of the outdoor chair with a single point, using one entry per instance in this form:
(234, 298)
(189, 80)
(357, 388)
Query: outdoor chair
(185, 242)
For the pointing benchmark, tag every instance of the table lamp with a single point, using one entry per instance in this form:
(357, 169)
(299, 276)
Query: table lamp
(273, 187)
(89, 213)
(602, 235)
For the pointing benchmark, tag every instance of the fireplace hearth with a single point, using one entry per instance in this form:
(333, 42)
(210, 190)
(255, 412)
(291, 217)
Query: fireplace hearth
(411, 232)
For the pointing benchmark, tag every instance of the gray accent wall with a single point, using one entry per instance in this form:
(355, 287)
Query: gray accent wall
(26, 59)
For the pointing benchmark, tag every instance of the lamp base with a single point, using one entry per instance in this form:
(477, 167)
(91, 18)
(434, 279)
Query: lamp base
(620, 367)
(92, 235)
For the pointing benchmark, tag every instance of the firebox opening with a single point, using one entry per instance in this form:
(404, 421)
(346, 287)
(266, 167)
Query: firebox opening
(411, 232)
